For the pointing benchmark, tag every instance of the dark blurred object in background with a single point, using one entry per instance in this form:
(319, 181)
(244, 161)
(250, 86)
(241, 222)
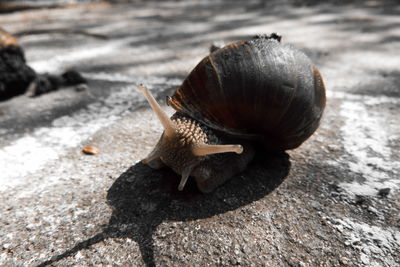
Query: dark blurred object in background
(16, 77)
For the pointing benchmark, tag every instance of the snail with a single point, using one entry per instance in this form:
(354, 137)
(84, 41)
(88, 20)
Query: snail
(247, 94)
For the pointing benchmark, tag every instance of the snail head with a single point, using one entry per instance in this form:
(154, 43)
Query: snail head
(183, 144)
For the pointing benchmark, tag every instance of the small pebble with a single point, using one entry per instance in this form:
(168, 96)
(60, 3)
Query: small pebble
(360, 200)
(81, 87)
(90, 150)
(384, 192)
(216, 45)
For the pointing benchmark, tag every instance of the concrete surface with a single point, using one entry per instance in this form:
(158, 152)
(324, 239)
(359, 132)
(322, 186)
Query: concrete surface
(332, 202)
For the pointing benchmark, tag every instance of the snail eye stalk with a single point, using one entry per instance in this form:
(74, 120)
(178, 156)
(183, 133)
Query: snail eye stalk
(169, 127)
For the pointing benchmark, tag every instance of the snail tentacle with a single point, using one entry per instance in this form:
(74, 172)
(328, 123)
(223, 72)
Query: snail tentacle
(169, 127)
(152, 156)
(205, 149)
(184, 178)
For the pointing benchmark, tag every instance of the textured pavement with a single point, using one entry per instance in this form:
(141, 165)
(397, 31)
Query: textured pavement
(332, 202)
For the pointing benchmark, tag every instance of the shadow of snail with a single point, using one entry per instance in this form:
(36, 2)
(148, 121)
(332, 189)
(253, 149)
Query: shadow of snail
(142, 198)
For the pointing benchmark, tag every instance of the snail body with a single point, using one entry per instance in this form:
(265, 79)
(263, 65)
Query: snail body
(257, 91)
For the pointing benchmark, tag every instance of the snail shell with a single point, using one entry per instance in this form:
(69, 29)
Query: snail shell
(259, 89)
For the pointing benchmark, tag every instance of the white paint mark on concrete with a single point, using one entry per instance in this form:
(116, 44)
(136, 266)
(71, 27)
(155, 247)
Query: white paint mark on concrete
(31, 153)
(365, 99)
(34, 151)
(366, 139)
(83, 53)
(373, 242)
(119, 77)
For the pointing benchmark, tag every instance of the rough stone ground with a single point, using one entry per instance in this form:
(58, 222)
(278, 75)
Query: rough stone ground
(323, 204)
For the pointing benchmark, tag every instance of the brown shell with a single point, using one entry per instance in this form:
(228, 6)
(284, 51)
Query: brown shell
(261, 89)
(7, 39)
